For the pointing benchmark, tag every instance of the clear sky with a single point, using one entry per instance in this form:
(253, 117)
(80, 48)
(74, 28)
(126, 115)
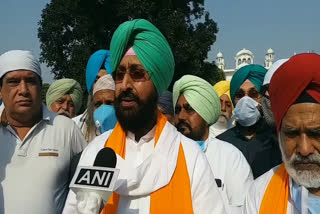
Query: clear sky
(287, 26)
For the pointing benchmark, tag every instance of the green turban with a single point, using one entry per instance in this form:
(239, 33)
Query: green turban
(151, 48)
(200, 95)
(254, 73)
(62, 87)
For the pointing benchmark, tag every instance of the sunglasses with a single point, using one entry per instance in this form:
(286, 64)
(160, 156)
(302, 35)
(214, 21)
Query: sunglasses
(136, 74)
(253, 93)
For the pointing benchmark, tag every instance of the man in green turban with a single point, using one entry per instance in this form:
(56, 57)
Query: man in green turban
(246, 81)
(64, 97)
(203, 99)
(161, 171)
(251, 135)
(197, 106)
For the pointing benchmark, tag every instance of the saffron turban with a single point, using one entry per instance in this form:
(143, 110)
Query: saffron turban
(151, 48)
(105, 82)
(100, 59)
(19, 60)
(200, 95)
(301, 73)
(165, 103)
(63, 87)
(253, 73)
(223, 87)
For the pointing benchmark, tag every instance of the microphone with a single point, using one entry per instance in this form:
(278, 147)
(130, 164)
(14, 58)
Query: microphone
(106, 157)
(94, 185)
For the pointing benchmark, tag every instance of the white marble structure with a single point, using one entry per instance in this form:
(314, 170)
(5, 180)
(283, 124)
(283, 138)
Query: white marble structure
(243, 57)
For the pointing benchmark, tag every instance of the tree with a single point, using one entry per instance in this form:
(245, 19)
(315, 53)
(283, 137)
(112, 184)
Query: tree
(45, 87)
(71, 30)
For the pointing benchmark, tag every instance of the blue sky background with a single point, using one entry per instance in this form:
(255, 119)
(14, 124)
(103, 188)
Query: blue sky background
(287, 26)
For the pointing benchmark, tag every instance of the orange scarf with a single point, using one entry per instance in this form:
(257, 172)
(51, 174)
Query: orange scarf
(172, 198)
(275, 199)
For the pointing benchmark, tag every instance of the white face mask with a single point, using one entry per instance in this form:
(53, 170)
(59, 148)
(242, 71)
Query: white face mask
(246, 111)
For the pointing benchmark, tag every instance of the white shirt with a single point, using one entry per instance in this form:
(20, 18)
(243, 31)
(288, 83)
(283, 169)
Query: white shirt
(35, 171)
(256, 193)
(205, 194)
(232, 169)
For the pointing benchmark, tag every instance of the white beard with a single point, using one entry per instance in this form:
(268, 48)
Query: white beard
(222, 125)
(306, 178)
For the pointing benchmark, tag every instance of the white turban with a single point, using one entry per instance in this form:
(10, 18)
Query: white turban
(103, 83)
(272, 70)
(18, 60)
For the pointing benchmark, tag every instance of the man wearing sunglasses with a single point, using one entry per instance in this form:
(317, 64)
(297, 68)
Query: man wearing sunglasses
(251, 135)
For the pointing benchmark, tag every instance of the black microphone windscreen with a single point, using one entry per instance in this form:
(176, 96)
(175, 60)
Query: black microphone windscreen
(106, 157)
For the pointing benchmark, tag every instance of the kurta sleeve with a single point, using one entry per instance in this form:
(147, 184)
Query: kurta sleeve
(206, 198)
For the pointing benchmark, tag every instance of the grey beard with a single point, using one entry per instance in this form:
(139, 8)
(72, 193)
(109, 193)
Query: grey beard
(267, 113)
(306, 178)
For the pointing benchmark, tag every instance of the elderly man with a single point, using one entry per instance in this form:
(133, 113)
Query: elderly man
(225, 121)
(197, 106)
(161, 171)
(98, 66)
(295, 102)
(103, 98)
(36, 144)
(251, 134)
(64, 97)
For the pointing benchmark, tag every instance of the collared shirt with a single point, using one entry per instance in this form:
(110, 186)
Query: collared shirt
(231, 171)
(35, 171)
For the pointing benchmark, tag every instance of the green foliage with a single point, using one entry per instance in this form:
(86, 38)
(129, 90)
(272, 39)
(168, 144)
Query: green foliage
(45, 87)
(71, 30)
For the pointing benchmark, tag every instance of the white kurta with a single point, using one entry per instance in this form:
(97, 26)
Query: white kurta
(140, 179)
(229, 166)
(256, 192)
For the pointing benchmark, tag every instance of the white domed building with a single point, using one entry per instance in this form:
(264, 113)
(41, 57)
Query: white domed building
(269, 58)
(243, 57)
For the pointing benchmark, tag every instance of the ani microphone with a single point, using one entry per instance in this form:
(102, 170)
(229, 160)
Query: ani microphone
(94, 185)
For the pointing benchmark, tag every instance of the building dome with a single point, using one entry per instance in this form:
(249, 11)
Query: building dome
(242, 65)
(219, 55)
(244, 51)
(270, 51)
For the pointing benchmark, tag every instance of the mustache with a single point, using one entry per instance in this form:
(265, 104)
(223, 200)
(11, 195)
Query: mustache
(310, 159)
(224, 114)
(63, 112)
(128, 95)
(181, 124)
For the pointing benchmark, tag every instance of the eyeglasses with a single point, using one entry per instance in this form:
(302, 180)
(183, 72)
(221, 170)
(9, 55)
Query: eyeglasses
(253, 93)
(136, 74)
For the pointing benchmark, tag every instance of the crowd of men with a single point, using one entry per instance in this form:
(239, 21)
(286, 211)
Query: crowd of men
(251, 145)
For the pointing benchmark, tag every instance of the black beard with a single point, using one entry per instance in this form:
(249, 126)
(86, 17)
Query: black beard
(135, 118)
(195, 134)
